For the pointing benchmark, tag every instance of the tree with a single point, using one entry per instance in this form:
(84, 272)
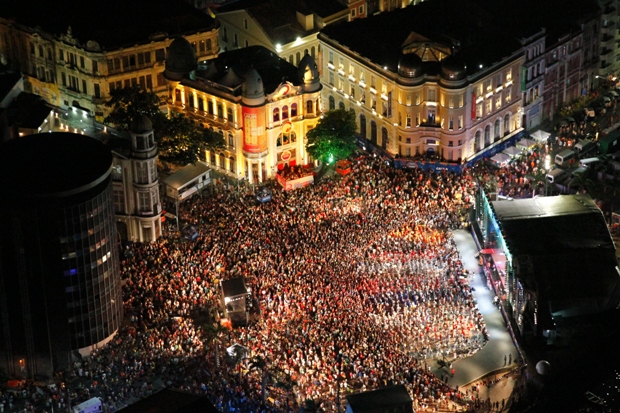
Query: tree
(180, 141)
(259, 363)
(212, 333)
(129, 102)
(333, 138)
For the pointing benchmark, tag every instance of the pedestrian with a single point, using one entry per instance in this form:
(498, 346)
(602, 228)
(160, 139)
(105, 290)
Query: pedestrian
(504, 359)
(510, 359)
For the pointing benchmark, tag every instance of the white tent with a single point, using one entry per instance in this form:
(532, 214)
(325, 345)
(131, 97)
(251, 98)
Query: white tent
(501, 159)
(526, 144)
(513, 151)
(541, 135)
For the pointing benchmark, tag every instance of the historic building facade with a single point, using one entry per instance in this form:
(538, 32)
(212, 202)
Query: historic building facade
(260, 103)
(426, 97)
(135, 179)
(80, 66)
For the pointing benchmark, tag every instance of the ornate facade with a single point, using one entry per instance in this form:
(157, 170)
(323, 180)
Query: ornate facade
(260, 103)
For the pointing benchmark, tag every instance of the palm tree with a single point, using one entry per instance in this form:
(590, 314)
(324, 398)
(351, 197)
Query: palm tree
(259, 363)
(287, 384)
(580, 182)
(212, 332)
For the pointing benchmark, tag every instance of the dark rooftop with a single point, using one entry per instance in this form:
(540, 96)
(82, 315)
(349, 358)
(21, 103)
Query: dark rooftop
(45, 164)
(111, 23)
(234, 287)
(482, 31)
(385, 399)
(278, 17)
(28, 111)
(272, 69)
(171, 401)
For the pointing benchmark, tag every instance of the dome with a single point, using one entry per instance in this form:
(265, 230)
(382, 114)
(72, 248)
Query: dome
(253, 90)
(141, 124)
(453, 69)
(307, 70)
(180, 59)
(410, 65)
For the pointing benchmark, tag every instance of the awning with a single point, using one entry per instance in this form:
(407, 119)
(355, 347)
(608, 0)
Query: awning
(541, 135)
(501, 159)
(526, 143)
(513, 151)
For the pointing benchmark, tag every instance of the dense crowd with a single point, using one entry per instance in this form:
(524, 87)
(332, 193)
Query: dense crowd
(358, 282)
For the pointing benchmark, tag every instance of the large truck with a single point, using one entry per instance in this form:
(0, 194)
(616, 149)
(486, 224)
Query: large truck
(609, 143)
(89, 406)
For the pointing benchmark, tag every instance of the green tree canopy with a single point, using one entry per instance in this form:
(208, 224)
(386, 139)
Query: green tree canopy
(178, 138)
(129, 102)
(180, 141)
(333, 138)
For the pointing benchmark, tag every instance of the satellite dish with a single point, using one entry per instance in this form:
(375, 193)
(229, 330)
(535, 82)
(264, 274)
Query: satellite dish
(543, 367)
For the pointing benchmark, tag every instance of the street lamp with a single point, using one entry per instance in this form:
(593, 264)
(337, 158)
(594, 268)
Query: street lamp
(547, 166)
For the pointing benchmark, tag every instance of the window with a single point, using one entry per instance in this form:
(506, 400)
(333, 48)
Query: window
(341, 105)
(417, 98)
(332, 103)
(352, 91)
(331, 57)
(507, 95)
(331, 78)
(210, 107)
(82, 61)
(408, 124)
(408, 99)
(97, 90)
(229, 114)
(161, 80)
(220, 110)
(479, 110)
(431, 95)
(431, 116)
(84, 89)
(451, 102)
(245, 24)
(489, 107)
(309, 106)
(160, 55)
(209, 46)
(460, 121)
(231, 140)
(284, 112)
(496, 131)
(144, 202)
(506, 124)
(373, 102)
(450, 143)
(119, 201)
(451, 124)
(294, 110)
(461, 100)
(361, 9)
(362, 95)
(235, 40)
(353, 13)
(276, 115)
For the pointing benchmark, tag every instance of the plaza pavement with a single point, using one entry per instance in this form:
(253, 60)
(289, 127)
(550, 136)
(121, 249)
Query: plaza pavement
(489, 360)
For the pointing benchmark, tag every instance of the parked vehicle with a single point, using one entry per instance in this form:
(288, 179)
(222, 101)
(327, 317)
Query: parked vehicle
(609, 143)
(563, 158)
(584, 146)
(556, 175)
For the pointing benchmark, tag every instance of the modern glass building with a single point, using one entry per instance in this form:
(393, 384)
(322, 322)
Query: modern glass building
(60, 291)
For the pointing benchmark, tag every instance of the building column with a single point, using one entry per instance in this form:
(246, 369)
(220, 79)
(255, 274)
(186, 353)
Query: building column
(260, 171)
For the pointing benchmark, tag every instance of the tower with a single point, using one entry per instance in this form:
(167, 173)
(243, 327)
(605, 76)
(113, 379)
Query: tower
(60, 287)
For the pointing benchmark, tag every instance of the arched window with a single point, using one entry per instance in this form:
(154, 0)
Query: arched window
(332, 103)
(341, 105)
(229, 114)
(231, 140)
(309, 107)
(212, 158)
(276, 115)
(312, 52)
(177, 96)
(210, 107)
(507, 124)
(373, 131)
(487, 135)
(297, 58)
(222, 161)
(496, 134)
(384, 138)
(231, 165)
(284, 112)
(293, 110)
(220, 110)
(478, 141)
(290, 59)
(190, 100)
(363, 126)
(286, 137)
(305, 52)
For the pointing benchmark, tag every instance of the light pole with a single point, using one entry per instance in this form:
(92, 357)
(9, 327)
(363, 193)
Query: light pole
(547, 166)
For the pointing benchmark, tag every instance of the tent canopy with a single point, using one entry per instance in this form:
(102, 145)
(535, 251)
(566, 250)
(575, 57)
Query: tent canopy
(501, 158)
(526, 143)
(541, 135)
(513, 151)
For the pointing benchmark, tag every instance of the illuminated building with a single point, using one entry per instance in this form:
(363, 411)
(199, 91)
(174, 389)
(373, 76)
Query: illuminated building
(415, 90)
(60, 287)
(74, 57)
(287, 27)
(260, 103)
(455, 80)
(136, 184)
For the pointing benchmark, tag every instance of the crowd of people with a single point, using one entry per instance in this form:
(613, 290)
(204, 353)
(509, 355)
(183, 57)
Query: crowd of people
(358, 280)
